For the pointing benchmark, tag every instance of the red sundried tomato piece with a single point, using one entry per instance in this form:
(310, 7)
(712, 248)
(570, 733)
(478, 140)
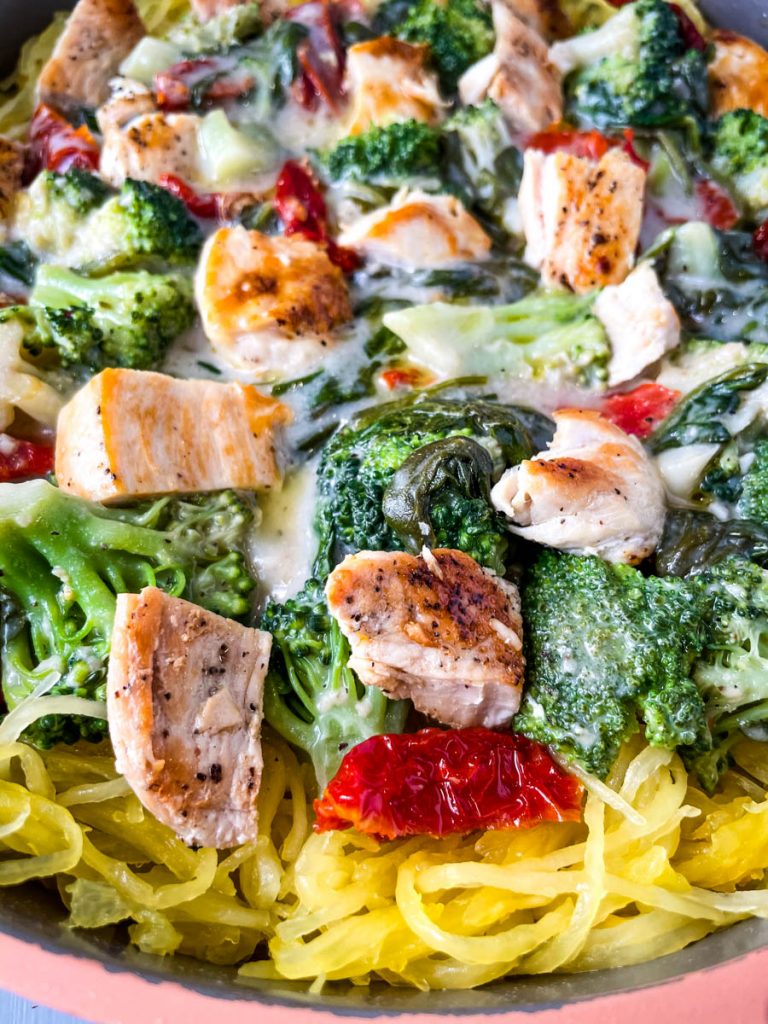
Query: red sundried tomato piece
(715, 205)
(204, 80)
(637, 412)
(760, 241)
(300, 203)
(692, 38)
(206, 205)
(629, 149)
(438, 782)
(568, 140)
(402, 378)
(22, 459)
(301, 207)
(56, 145)
(321, 55)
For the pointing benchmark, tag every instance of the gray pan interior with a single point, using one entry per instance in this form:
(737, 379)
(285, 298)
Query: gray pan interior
(32, 913)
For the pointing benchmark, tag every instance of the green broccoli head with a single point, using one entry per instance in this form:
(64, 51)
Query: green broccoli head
(739, 144)
(392, 154)
(360, 461)
(76, 219)
(458, 32)
(124, 319)
(51, 214)
(80, 190)
(549, 336)
(607, 648)
(312, 697)
(732, 671)
(637, 70)
(142, 226)
(64, 560)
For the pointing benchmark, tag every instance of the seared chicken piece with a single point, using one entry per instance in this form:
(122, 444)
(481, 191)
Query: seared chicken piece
(207, 9)
(388, 80)
(517, 75)
(184, 697)
(738, 74)
(436, 628)
(268, 303)
(581, 217)
(98, 36)
(418, 229)
(11, 170)
(595, 492)
(127, 101)
(150, 146)
(132, 434)
(640, 321)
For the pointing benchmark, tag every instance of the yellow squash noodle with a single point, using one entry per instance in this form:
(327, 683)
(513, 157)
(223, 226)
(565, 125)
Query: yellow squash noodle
(654, 867)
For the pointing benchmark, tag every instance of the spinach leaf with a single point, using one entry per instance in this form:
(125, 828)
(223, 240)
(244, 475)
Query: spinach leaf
(697, 420)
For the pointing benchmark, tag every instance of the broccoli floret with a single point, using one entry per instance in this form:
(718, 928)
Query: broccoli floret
(63, 560)
(391, 154)
(740, 155)
(732, 671)
(636, 70)
(51, 214)
(143, 226)
(458, 32)
(312, 697)
(607, 647)
(359, 463)
(482, 163)
(75, 219)
(124, 319)
(715, 281)
(545, 336)
(79, 189)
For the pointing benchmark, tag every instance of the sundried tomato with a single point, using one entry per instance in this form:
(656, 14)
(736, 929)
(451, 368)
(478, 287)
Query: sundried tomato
(639, 411)
(438, 782)
(22, 459)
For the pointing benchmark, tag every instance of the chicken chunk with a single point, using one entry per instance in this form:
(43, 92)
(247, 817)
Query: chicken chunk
(11, 171)
(387, 81)
(128, 100)
(517, 75)
(738, 75)
(268, 303)
(418, 229)
(595, 492)
(98, 36)
(640, 321)
(185, 691)
(581, 217)
(436, 628)
(132, 434)
(150, 146)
